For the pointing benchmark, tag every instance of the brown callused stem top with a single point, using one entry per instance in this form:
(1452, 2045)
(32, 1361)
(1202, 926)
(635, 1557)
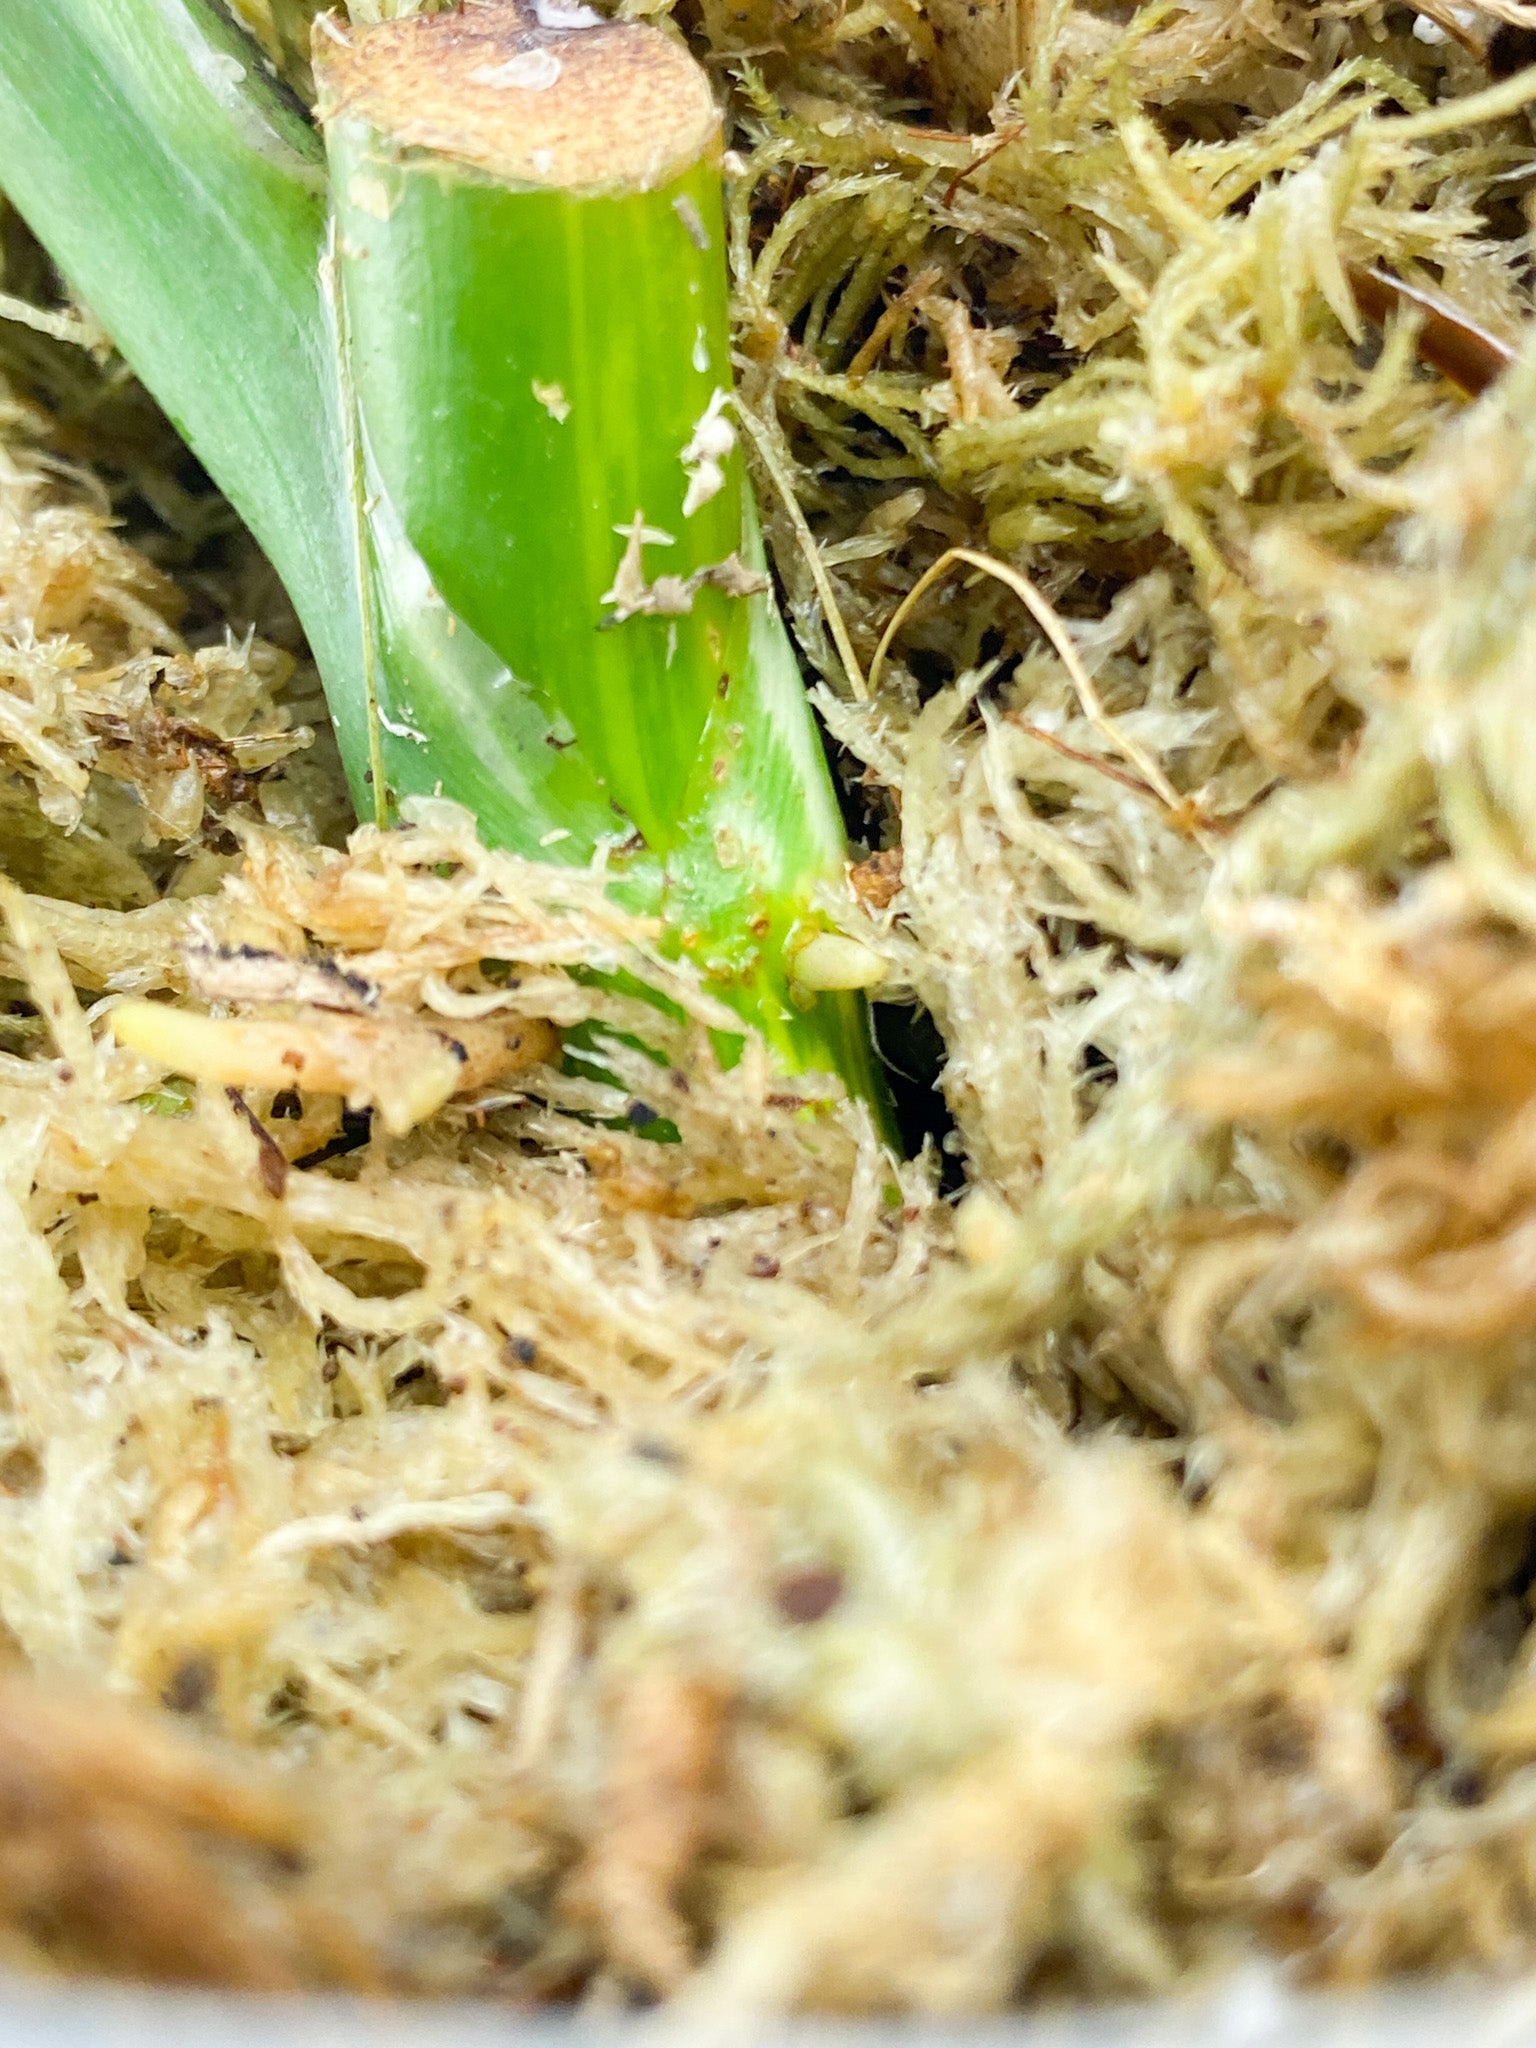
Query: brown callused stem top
(520, 93)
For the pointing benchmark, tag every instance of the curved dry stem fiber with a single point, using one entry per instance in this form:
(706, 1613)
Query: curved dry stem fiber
(612, 106)
(1209, 1285)
(1053, 627)
(1448, 339)
(1468, 1296)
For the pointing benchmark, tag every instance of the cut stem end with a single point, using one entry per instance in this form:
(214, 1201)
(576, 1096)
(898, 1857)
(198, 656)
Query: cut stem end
(613, 107)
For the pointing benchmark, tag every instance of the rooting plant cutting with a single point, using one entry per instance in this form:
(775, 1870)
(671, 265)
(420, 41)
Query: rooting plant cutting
(547, 556)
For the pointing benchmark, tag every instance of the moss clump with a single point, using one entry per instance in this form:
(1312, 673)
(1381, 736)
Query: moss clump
(723, 1568)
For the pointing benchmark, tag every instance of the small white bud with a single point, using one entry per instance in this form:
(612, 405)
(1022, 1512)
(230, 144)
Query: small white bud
(831, 961)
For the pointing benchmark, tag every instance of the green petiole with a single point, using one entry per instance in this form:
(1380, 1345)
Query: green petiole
(464, 371)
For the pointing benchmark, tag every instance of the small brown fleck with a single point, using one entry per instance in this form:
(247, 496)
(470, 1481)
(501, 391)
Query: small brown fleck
(1465, 1787)
(271, 1164)
(877, 881)
(21, 1471)
(190, 1686)
(505, 1589)
(1407, 1727)
(808, 1595)
(763, 1267)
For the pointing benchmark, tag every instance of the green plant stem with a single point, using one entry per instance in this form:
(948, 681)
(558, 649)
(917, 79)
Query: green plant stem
(368, 403)
(516, 432)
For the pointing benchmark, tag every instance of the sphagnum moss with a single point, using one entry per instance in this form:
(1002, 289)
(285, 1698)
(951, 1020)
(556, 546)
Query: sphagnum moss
(716, 1567)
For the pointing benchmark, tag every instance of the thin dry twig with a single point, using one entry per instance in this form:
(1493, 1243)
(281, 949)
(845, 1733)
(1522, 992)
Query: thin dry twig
(1051, 624)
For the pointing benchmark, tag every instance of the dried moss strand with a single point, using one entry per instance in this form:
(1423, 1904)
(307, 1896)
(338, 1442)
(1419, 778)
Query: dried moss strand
(1047, 619)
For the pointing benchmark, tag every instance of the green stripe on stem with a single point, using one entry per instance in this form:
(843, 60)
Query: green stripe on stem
(529, 366)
